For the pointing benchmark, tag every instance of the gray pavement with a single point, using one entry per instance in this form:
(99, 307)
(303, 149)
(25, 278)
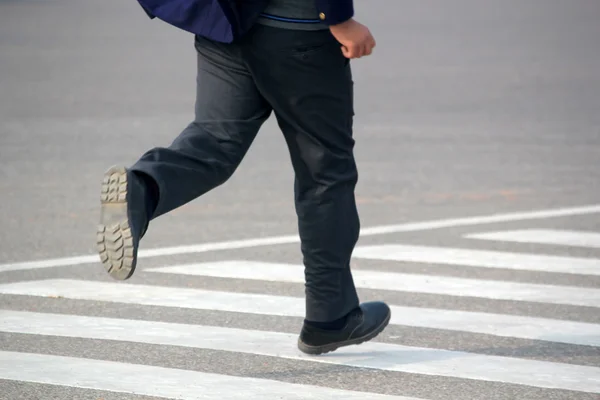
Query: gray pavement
(466, 110)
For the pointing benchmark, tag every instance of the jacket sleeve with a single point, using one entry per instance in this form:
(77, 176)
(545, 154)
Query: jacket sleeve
(147, 11)
(333, 12)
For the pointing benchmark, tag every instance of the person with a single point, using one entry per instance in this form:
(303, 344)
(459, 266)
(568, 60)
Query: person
(293, 62)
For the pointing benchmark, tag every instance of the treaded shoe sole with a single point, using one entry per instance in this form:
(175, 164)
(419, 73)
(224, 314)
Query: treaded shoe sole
(114, 240)
(327, 348)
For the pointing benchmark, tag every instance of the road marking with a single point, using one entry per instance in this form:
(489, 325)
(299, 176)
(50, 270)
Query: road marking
(161, 382)
(464, 321)
(479, 258)
(461, 321)
(149, 253)
(543, 236)
(374, 355)
(162, 296)
(288, 239)
(490, 219)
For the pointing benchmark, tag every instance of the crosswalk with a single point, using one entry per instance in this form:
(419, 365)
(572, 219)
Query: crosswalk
(480, 258)
(167, 383)
(544, 236)
(557, 378)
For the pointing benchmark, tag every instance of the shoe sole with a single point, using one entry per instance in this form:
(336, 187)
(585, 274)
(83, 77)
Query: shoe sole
(328, 348)
(114, 240)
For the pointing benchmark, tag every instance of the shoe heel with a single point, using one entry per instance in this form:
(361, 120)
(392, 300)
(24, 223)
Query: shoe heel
(114, 241)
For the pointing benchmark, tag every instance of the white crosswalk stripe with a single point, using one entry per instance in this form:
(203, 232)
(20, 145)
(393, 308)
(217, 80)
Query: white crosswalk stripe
(470, 366)
(381, 356)
(543, 236)
(167, 383)
(480, 258)
(491, 324)
(413, 283)
(487, 323)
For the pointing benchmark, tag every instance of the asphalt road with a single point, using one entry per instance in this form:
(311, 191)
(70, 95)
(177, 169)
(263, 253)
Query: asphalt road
(477, 122)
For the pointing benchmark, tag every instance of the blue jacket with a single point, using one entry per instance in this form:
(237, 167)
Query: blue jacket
(226, 20)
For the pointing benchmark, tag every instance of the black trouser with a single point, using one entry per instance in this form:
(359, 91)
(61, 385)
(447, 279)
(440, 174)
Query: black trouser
(304, 79)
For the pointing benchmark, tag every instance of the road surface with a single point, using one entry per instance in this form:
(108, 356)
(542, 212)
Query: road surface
(478, 143)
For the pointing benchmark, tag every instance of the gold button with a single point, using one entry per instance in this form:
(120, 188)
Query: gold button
(322, 16)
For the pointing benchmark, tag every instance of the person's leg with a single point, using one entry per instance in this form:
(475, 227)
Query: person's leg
(310, 89)
(309, 84)
(229, 113)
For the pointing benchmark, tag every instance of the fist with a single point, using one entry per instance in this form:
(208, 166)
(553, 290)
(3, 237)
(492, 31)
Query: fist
(355, 38)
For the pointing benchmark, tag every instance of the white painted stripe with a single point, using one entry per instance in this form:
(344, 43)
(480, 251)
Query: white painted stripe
(276, 240)
(491, 324)
(160, 252)
(543, 236)
(480, 258)
(381, 356)
(433, 284)
(500, 325)
(56, 262)
(161, 382)
(150, 295)
(489, 219)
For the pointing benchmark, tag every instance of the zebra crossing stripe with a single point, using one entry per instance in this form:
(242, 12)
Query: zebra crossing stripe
(276, 240)
(479, 258)
(374, 355)
(161, 382)
(543, 236)
(399, 282)
(492, 324)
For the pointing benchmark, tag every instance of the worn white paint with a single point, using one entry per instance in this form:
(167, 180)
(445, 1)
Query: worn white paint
(543, 236)
(480, 258)
(491, 324)
(394, 281)
(148, 253)
(453, 320)
(150, 295)
(161, 382)
(480, 220)
(381, 356)
(287, 239)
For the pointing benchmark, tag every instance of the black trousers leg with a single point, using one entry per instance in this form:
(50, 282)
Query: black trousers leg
(229, 113)
(308, 82)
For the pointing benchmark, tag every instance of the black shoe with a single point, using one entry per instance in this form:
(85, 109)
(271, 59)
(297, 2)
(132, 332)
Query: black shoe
(123, 221)
(363, 324)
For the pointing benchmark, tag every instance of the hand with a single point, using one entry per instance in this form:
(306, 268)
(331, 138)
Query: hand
(356, 39)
